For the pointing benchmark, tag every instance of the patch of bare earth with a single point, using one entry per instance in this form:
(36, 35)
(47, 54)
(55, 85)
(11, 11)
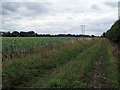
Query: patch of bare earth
(98, 79)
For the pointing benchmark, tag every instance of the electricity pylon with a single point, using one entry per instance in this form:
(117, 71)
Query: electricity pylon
(83, 29)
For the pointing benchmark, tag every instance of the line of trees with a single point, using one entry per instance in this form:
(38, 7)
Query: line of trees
(33, 34)
(17, 34)
(114, 32)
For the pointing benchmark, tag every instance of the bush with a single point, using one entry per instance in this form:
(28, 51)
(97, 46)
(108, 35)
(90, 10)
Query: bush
(114, 33)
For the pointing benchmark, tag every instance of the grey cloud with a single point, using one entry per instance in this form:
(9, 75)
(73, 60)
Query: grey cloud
(96, 7)
(39, 7)
(32, 8)
(5, 12)
(10, 6)
(111, 4)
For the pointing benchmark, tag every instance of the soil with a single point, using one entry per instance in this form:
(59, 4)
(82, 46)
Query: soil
(98, 79)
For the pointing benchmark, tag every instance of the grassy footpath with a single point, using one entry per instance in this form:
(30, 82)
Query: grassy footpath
(74, 74)
(23, 72)
(105, 69)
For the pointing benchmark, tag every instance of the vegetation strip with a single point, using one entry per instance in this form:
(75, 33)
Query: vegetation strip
(98, 79)
(71, 76)
(77, 63)
(21, 72)
(20, 46)
(57, 70)
(104, 71)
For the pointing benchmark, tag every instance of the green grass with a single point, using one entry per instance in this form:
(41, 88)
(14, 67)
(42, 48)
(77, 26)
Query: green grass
(110, 61)
(75, 73)
(65, 65)
(24, 71)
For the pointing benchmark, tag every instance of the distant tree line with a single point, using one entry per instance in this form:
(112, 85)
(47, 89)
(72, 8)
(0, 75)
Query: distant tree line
(114, 32)
(17, 34)
(33, 34)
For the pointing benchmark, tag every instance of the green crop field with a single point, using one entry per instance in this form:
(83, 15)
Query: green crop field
(59, 62)
(16, 46)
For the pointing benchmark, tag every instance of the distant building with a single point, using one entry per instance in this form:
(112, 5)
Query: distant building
(119, 9)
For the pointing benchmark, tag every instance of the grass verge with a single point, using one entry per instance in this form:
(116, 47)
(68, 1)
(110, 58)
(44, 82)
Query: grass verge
(110, 63)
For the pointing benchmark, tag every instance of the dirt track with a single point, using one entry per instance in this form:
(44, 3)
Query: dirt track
(98, 79)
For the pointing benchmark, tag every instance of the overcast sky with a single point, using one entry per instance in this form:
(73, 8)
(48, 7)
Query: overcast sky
(59, 16)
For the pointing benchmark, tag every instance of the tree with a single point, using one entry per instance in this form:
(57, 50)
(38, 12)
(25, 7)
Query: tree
(103, 35)
(31, 33)
(15, 34)
(6, 34)
(114, 32)
(92, 36)
(22, 34)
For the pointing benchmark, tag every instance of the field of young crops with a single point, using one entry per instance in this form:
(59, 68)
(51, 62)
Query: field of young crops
(23, 45)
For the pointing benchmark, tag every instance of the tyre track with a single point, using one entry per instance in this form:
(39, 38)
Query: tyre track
(98, 79)
(57, 70)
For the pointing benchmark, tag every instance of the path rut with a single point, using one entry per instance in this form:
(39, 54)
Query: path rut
(98, 79)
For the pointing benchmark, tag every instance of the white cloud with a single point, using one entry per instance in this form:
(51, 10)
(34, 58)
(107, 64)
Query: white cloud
(59, 16)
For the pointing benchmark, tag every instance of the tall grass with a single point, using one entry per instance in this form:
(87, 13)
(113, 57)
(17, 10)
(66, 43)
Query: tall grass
(22, 72)
(74, 74)
(64, 65)
(110, 60)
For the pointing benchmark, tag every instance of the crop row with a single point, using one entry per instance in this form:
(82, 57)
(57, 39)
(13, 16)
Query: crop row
(17, 45)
